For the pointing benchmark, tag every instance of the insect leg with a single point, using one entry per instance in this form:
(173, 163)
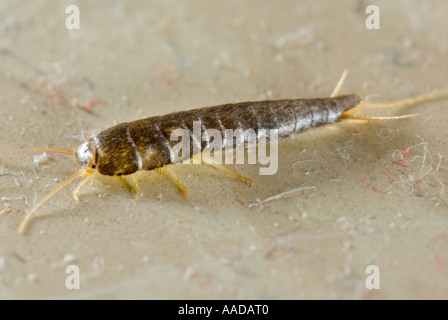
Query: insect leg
(138, 191)
(79, 186)
(126, 183)
(135, 188)
(220, 167)
(167, 172)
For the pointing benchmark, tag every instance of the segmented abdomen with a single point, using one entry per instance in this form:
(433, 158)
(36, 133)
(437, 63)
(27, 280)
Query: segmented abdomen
(145, 144)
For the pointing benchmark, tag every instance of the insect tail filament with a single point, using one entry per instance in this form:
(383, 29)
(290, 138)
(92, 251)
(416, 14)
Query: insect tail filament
(351, 114)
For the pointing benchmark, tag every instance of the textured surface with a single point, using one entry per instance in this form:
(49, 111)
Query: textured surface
(345, 196)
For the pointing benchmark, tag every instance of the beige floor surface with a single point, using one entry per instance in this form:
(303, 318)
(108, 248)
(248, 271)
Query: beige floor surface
(345, 196)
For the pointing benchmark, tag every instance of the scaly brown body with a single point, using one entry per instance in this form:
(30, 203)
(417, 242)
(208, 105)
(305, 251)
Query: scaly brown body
(145, 144)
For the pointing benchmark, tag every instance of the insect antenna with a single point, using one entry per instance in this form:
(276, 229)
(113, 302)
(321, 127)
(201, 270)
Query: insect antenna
(26, 219)
(56, 150)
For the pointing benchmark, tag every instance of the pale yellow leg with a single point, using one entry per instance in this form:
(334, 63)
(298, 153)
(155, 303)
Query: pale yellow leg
(126, 183)
(167, 172)
(133, 188)
(220, 167)
(138, 191)
(79, 186)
